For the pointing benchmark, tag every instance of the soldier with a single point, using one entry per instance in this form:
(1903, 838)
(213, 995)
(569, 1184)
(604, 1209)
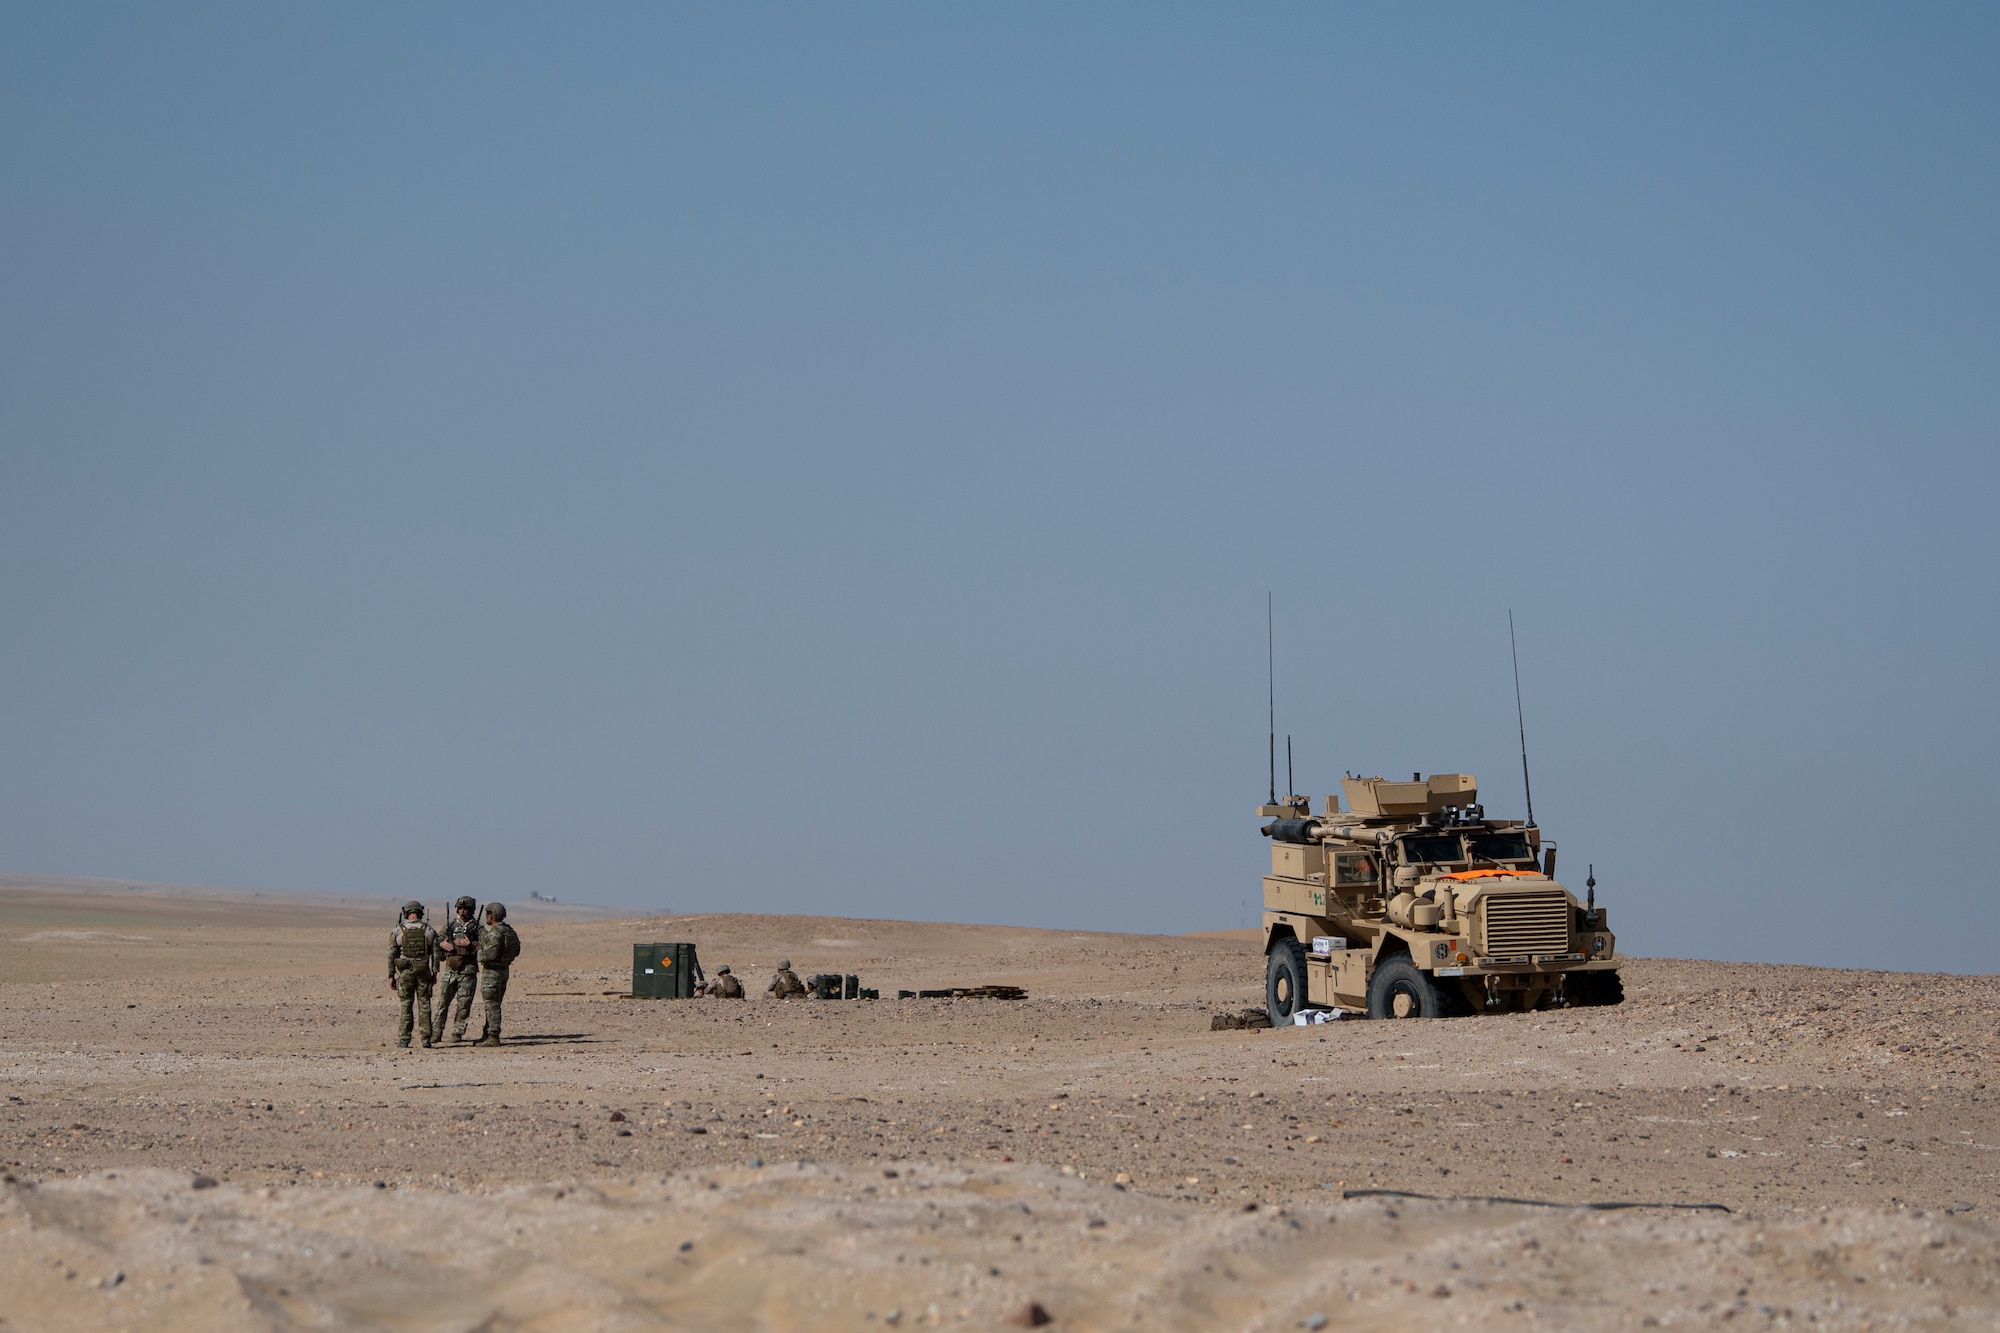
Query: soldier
(786, 983)
(459, 942)
(725, 986)
(412, 964)
(499, 946)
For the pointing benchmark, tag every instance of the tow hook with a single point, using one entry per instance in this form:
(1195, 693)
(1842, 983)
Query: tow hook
(1492, 991)
(1561, 1000)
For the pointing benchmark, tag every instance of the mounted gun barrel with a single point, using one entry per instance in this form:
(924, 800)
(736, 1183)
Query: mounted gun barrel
(1293, 830)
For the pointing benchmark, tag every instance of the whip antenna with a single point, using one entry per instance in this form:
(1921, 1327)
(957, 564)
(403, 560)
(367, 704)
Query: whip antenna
(1271, 687)
(1520, 720)
(1291, 783)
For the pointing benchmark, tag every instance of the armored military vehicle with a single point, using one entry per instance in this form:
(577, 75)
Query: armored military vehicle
(1413, 904)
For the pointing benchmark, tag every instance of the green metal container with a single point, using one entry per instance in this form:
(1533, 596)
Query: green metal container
(663, 971)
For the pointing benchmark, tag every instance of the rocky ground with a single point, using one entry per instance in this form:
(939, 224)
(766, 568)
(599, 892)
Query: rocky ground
(207, 1124)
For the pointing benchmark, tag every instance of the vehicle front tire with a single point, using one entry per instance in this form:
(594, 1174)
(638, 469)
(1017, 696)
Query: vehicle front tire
(1399, 990)
(1285, 982)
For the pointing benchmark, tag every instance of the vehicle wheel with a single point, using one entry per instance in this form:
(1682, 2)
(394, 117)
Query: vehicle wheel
(1399, 990)
(1595, 989)
(1285, 982)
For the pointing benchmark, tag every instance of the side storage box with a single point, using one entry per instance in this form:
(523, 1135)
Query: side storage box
(1298, 860)
(1338, 979)
(663, 971)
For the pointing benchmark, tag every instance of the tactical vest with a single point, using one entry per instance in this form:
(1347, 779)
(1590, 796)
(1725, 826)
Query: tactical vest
(414, 948)
(458, 959)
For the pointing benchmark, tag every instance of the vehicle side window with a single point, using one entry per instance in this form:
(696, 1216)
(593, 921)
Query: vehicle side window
(1354, 871)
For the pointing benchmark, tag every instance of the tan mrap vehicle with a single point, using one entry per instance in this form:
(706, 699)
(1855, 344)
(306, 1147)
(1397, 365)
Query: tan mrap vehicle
(1413, 904)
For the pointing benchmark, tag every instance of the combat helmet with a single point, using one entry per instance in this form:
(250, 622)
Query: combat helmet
(784, 964)
(498, 911)
(720, 970)
(466, 900)
(411, 906)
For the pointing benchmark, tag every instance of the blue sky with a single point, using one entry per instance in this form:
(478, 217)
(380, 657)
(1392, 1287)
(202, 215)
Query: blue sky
(833, 459)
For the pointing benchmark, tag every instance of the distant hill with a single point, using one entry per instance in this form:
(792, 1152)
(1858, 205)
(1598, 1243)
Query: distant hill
(27, 900)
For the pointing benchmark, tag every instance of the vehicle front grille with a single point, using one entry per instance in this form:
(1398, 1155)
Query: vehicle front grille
(1527, 923)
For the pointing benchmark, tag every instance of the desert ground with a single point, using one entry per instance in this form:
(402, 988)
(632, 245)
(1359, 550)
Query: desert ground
(206, 1125)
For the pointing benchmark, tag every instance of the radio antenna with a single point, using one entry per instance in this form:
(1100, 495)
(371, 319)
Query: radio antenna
(1271, 687)
(1520, 719)
(1291, 784)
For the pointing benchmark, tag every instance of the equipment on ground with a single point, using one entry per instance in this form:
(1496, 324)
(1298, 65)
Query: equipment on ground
(839, 986)
(665, 972)
(965, 993)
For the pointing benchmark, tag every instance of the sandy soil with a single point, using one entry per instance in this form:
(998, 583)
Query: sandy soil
(1094, 1148)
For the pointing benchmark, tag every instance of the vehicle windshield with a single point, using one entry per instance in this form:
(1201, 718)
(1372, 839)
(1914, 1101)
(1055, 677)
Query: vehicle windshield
(1432, 848)
(1500, 847)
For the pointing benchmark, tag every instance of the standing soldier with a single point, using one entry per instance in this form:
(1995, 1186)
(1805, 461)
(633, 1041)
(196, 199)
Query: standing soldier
(412, 963)
(725, 986)
(459, 942)
(499, 946)
(785, 983)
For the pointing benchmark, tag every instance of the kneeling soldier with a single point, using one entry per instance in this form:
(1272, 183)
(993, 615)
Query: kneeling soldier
(725, 986)
(458, 942)
(412, 962)
(499, 946)
(786, 982)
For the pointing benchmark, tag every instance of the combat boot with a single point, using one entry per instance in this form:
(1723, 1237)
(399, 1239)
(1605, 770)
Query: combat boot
(488, 1040)
(428, 1043)
(403, 1045)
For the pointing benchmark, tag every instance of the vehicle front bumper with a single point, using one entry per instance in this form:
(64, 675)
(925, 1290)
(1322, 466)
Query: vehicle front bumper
(1533, 965)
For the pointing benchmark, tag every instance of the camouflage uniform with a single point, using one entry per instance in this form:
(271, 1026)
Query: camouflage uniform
(786, 982)
(725, 986)
(459, 976)
(499, 946)
(412, 964)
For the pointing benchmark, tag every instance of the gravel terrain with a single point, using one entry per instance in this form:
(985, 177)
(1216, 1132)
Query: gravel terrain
(1094, 1148)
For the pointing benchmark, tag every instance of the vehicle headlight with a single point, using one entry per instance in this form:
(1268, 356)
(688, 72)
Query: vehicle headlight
(1441, 951)
(1597, 943)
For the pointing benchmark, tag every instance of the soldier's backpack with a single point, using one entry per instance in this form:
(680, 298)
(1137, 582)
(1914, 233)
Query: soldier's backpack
(510, 945)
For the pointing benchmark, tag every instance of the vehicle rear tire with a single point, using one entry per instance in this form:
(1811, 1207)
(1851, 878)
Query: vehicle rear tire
(1285, 982)
(1399, 990)
(1594, 989)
